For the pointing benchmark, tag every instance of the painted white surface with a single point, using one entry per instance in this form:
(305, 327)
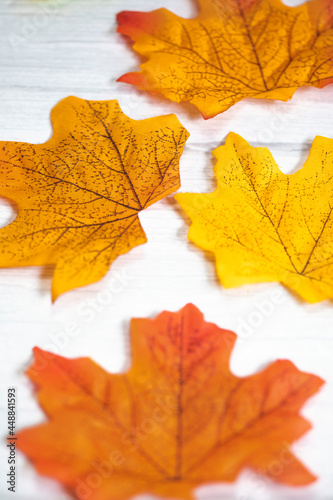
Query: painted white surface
(75, 50)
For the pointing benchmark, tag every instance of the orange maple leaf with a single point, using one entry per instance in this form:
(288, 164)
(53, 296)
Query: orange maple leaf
(80, 193)
(178, 418)
(232, 50)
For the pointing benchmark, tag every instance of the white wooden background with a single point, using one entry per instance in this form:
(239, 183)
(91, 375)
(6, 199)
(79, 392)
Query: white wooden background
(54, 48)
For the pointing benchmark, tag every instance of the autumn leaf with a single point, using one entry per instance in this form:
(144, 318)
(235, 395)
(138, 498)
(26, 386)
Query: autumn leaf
(80, 193)
(177, 419)
(263, 225)
(232, 50)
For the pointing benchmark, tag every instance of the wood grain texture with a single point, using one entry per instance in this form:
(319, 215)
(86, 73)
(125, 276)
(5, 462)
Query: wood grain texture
(75, 50)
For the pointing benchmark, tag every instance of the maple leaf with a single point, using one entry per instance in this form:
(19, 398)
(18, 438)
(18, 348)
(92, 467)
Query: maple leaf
(263, 225)
(80, 193)
(232, 50)
(178, 418)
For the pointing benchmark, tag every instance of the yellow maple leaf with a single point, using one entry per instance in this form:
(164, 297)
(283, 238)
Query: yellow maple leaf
(233, 49)
(263, 225)
(80, 193)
